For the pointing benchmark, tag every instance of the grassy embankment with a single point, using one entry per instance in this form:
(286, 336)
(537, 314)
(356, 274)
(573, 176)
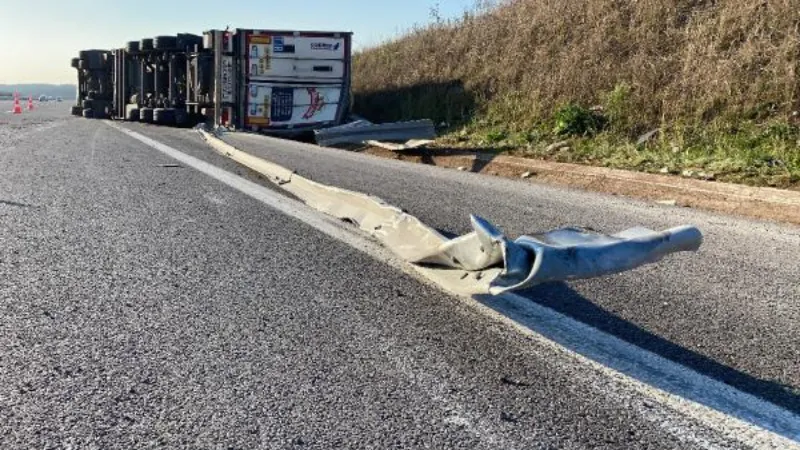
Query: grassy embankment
(718, 80)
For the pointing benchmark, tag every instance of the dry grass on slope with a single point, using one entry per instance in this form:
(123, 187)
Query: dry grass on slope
(675, 64)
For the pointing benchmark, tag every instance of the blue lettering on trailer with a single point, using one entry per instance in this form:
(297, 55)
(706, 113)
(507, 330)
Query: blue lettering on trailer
(325, 46)
(279, 46)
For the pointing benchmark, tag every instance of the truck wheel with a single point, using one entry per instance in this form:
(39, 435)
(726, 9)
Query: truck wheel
(146, 115)
(132, 115)
(181, 117)
(92, 59)
(75, 63)
(76, 111)
(132, 47)
(170, 116)
(165, 42)
(100, 112)
(146, 45)
(88, 113)
(96, 62)
(84, 54)
(87, 104)
(188, 41)
(164, 116)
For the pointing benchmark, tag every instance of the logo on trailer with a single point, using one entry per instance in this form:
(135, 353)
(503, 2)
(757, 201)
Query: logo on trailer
(317, 102)
(325, 46)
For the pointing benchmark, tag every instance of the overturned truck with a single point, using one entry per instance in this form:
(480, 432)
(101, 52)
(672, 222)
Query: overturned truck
(272, 81)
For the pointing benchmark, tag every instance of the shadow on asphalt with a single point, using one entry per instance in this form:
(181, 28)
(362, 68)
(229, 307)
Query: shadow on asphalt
(482, 157)
(561, 298)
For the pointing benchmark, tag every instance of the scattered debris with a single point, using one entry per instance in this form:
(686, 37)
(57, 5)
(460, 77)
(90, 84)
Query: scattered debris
(698, 174)
(676, 149)
(772, 162)
(706, 176)
(647, 137)
(664, 170)
(508, 417)
(461, 168)
(557, 146)
(505, 379)
(668, 202)
(169, 166)
(408, 145)
(527, 174)
(362, 131)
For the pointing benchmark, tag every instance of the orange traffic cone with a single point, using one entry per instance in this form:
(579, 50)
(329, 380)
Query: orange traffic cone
(17, 106)
(30, 103)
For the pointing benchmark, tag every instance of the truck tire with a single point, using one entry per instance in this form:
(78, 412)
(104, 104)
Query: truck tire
(97, 61)
(132, 47)
(132, 115)
(87, 104)
(88, 113)
(146, 45)
(187, 41)
(92, 59)
(75, 63)
(76, 111)
(181, 118)
(165, 43)
(164, 116)
(100, 108)
(146, 115)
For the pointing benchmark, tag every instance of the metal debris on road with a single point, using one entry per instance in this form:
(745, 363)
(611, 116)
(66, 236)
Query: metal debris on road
(362, 131)
(408, 145)
(498, 263)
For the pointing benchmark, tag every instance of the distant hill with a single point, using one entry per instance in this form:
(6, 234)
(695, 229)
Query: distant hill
(67, 91)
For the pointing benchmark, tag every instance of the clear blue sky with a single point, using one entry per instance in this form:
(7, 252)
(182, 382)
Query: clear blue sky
(38, 37)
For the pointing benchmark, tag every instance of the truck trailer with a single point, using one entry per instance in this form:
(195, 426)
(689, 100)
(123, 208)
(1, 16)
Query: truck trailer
(271, 81)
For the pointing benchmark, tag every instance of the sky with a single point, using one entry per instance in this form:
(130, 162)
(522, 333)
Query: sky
(39, 37)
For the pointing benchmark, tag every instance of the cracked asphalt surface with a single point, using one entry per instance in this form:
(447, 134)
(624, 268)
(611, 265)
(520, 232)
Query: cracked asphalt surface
(144, 305)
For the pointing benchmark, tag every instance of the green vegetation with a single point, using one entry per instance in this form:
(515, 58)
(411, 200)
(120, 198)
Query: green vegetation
(713, 85)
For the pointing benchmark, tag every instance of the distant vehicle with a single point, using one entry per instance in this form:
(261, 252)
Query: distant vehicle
(42, 98)
(59, 99)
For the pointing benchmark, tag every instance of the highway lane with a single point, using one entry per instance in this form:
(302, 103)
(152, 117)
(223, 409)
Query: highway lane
(731, 311)
(148, 305)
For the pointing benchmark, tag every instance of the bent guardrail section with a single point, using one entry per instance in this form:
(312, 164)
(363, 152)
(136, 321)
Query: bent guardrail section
(499, 264)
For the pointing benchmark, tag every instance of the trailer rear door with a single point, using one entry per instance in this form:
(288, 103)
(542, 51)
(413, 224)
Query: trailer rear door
(295, 79)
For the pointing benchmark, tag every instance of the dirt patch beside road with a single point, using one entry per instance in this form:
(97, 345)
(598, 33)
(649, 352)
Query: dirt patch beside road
(760, 203)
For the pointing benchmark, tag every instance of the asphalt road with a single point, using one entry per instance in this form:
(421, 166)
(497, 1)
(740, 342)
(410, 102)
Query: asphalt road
(144, 305)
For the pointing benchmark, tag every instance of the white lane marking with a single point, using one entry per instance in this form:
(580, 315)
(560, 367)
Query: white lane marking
(733, 413)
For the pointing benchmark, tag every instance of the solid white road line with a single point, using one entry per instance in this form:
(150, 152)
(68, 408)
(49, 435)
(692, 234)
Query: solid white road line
(733, 413)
